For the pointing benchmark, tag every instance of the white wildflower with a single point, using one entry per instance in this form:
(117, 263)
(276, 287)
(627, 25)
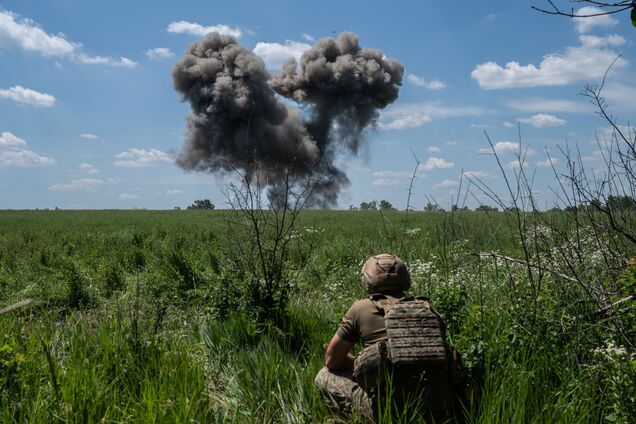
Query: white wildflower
(611, 351)
(412, 232)
(314, 230)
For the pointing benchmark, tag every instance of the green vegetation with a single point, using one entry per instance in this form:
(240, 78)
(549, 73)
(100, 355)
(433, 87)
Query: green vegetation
(148, 316)
(202, 204)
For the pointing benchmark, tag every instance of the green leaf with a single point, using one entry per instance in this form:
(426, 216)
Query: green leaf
(634, 15)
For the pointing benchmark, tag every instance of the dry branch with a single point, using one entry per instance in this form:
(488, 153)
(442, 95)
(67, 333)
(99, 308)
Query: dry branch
(15, 306)
(606, 8)
(607, 308)
(528, 264)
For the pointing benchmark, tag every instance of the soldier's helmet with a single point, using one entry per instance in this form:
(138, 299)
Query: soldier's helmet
(385, 273)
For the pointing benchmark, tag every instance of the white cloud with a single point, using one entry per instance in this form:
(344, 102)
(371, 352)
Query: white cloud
(421, 82)
(412, 115)
(384, 182)
(606, 136)
(128, 196)
(409, 120)
(595, 41)
(433, 149)
(88, 168)
(581, 63)
(171, 192)
(515, 164)
(501, 147)
(491, 17)
(543, 120)
(595, 156)
(606, 139)
(537, 104)
(138, 158)
(14, 152)
(446, 184)
(275, 55)
(123, 62)
(435, 163)
(308, 38)
(392, 174)
(352, 164)
(26, 34)
(27, 96)
(476, 174)
(549, 162)
(82, 184)
(10, 140)
(588, 23)
(159, 53)
(620, 97)
(185, 27)
(89, 136)
(508, 124)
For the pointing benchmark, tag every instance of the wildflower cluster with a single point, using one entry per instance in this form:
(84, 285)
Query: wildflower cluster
(341, 286)
(586, 248)
(612, 352)
(615, 367)
(424, 274)
(314, 230)
(412, 232)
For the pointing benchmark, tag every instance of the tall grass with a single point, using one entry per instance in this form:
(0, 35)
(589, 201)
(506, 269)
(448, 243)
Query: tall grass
(168, 338)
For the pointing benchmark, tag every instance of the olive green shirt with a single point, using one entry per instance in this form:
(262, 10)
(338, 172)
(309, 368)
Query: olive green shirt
(364, 322)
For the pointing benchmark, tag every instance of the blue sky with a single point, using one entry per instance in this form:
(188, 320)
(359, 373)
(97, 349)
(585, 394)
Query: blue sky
(89, 118)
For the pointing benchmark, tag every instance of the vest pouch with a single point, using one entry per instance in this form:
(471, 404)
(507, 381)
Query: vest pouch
(370, 365)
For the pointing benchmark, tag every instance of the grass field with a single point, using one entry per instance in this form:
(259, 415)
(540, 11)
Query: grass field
(147, 316)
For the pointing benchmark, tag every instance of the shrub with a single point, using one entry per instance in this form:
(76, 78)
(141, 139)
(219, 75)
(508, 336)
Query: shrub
(112, 279)
(77, 295)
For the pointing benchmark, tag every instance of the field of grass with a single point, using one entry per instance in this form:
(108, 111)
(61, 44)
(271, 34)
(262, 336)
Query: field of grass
(146, 316)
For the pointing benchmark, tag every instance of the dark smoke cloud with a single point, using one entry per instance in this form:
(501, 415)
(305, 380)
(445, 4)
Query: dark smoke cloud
(235, 114)
(237, 119)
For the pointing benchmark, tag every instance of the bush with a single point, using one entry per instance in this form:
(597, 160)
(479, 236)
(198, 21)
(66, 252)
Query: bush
(202, 204)
(77, 295)
(112, 279)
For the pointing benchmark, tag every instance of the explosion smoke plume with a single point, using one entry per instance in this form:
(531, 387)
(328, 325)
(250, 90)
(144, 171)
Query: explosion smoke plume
(238, 120)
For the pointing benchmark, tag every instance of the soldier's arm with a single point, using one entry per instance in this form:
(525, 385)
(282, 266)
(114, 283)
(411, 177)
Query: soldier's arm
(337, 356)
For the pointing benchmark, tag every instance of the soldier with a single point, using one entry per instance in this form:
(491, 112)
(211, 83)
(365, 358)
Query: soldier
(419, 364)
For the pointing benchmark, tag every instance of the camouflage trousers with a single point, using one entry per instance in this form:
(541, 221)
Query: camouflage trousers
(342, 395)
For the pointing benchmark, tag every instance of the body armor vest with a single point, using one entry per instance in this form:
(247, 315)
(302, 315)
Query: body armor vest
(416, 340)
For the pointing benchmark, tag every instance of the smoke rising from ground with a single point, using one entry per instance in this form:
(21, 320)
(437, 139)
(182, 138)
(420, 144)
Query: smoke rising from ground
(237, 121)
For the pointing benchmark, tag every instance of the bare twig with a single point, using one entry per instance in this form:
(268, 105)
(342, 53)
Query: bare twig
(607, 8)
(535, 266)
(265, 232)
(611, 306)
(520, 215)
(408, 199)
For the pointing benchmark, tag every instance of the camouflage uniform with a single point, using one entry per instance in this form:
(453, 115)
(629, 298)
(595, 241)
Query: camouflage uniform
(342, 395)
(362, 323)
(385, 277)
